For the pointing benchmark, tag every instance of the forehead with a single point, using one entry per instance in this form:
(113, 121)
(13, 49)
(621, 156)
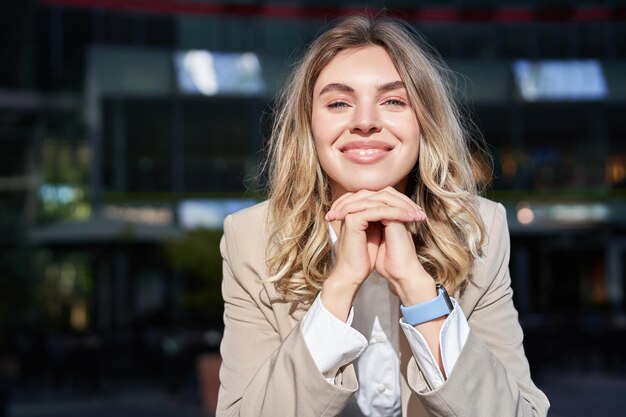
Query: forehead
(366, 65)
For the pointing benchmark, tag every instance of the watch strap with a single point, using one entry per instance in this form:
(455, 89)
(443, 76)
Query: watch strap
(428, 310)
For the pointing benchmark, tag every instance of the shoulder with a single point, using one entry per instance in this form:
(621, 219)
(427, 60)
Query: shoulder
(248, 225)
(250, 216)
(244, 250)
(496, 228)
(245, 237)
(491, 212)
(492, 268)
(493, 215)
(250, 222)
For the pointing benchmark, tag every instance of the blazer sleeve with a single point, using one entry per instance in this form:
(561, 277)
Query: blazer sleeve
(262, 374)
(491, 376)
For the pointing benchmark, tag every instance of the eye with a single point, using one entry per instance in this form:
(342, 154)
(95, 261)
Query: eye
(337, 105)
(395, 103)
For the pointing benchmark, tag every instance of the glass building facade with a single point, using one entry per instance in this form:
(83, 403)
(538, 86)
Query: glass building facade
(103, 143)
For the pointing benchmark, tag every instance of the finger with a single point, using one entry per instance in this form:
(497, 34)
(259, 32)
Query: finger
(403, 197)
(362, 205)
(359, 202)
(356, 206)
(396, 230)
(352, 203)
(343, 198)
(388, 195)
(360, 220)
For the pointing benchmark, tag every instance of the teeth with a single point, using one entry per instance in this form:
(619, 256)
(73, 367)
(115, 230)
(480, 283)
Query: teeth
(365, 152)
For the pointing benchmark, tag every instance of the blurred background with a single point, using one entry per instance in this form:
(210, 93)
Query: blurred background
(129, 129)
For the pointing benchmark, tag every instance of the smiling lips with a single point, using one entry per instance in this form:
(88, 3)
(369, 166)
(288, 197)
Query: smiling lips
(365, 152)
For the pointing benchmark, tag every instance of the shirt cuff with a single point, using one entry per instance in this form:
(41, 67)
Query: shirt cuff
(331, 342)
(452, 338)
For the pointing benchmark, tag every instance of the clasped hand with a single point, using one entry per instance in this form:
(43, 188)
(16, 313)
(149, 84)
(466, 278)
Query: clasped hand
(374, 234)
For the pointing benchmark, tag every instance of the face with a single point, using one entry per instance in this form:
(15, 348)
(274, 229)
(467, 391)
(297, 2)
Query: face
(366, 132)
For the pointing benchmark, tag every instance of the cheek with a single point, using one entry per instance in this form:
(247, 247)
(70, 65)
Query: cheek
(407, 131)
(412, 133)
(416, 134)
(316, 126)
(324, 130)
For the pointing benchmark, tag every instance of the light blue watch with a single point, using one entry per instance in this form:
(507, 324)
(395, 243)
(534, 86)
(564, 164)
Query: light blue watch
(428, 310)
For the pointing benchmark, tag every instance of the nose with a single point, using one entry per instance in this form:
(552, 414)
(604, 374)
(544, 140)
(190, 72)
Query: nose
(365, 120)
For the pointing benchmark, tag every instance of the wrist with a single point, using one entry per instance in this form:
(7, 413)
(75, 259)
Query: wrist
(337, 296)
(427, 311)
(341, 282)
(417, 290)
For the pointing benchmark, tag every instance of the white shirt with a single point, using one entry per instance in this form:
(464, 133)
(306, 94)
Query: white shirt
(370, 337)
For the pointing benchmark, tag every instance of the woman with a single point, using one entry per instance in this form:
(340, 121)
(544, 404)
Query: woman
(334, 288)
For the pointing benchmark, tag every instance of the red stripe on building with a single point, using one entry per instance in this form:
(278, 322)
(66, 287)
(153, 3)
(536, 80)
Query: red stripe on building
(437, 14)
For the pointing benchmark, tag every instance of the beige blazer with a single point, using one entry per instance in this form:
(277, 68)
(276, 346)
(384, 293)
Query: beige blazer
(267, 370)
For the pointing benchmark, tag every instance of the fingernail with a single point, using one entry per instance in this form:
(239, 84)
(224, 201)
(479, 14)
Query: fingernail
(420, 215)
(329, 215)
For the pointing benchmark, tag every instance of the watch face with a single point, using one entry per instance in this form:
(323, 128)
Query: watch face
(446, 297)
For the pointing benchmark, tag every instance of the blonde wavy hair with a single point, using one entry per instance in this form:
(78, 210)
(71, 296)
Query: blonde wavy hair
(443, 183)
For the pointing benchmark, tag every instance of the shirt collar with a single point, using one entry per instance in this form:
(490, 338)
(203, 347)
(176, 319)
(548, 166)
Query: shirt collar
(333, 235)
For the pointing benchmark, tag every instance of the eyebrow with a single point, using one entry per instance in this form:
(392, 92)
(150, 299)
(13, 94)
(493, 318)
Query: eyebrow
(337, 87)
(394, 85)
